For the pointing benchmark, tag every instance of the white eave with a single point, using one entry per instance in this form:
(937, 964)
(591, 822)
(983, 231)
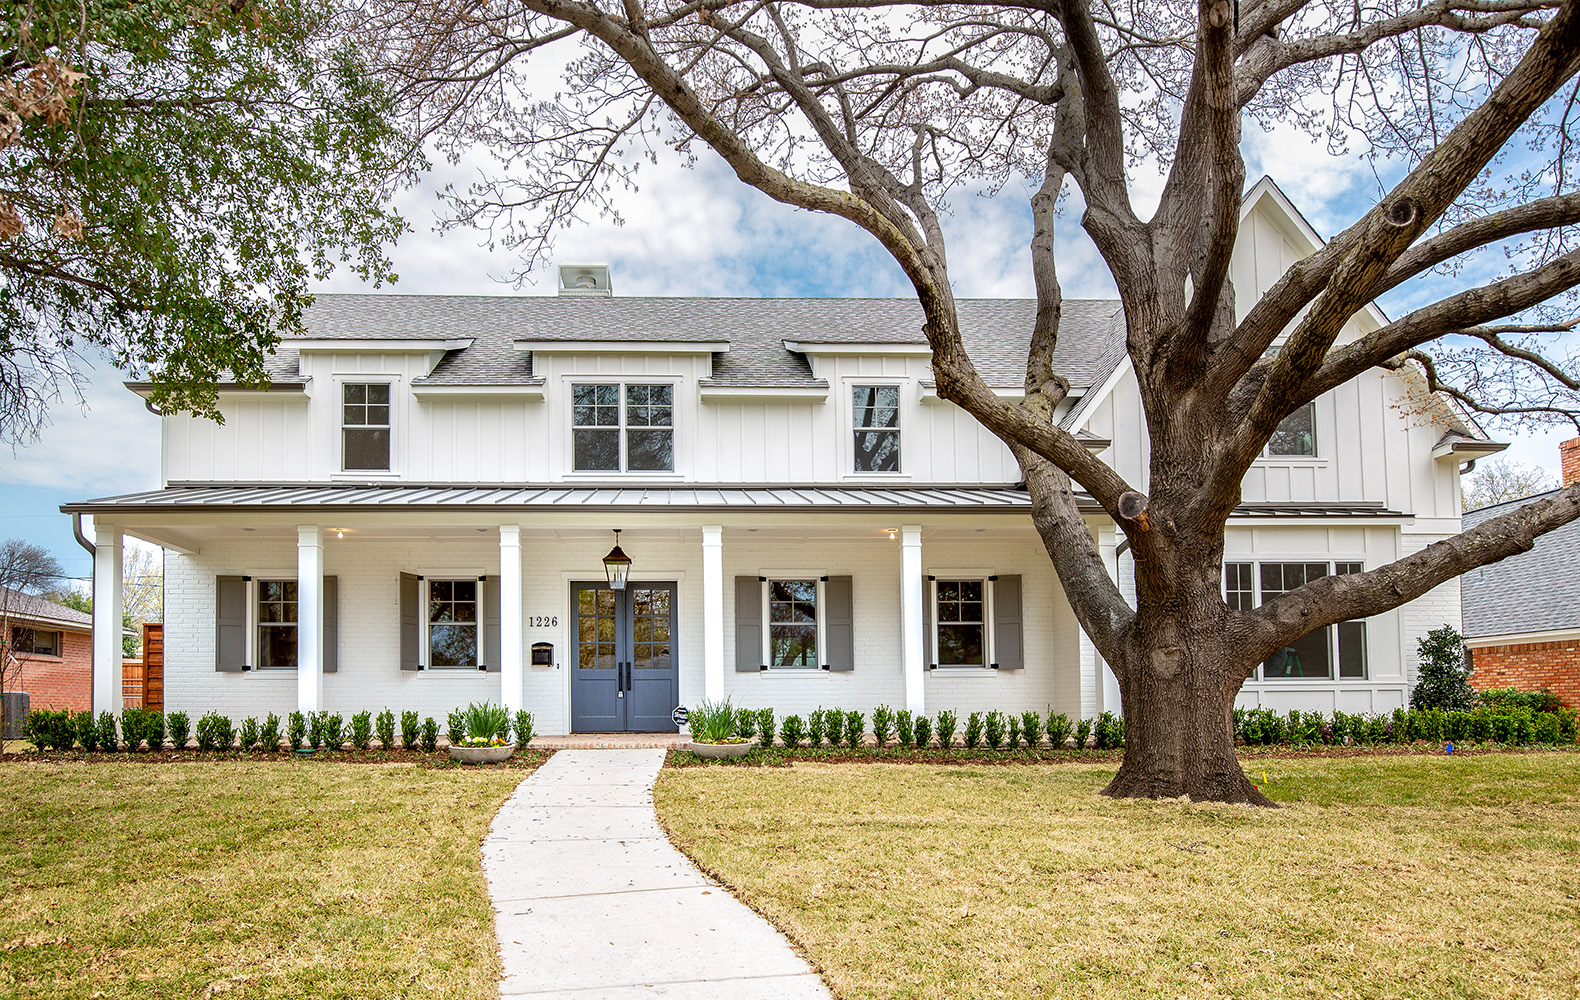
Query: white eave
(903, 350)
(294, 388)
(1457, 448)
(930, 392)
(624, 346)
(807, 394)
(531, 391)
(309, 344)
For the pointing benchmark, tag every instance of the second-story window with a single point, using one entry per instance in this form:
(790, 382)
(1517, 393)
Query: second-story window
(1296, 435)
(877, 428)
(365, 426)
(623, 428)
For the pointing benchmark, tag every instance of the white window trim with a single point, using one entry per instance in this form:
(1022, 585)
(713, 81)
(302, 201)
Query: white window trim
(1332, 560)
(1315, 458)
(848, 421)
(989, 583)
(254, 622)
(425, 646)
(622, 381)
(397, 467)
(820, 662)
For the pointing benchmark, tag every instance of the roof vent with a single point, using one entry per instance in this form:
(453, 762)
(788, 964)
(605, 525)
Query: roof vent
(585, 279)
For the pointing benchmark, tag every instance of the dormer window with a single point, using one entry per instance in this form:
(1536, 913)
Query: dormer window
(1296, 436)
(365, 427)
(623, 428)
(877, 428)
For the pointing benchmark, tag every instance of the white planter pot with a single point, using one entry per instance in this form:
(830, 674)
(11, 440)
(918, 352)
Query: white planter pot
(482, 755)
(719, 751)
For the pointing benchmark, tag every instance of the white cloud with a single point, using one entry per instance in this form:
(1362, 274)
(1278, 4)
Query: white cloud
(112, 448)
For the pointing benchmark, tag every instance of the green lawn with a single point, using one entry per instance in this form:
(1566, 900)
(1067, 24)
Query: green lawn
(1384, 877)
(240, 879)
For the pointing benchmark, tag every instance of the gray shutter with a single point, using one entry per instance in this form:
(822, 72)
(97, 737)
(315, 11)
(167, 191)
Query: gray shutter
(1007, 644)
(331, 594)
(493, 647)
(748, 624)
(839, 629)
(929, 588)
(230, 624)
(409, 629)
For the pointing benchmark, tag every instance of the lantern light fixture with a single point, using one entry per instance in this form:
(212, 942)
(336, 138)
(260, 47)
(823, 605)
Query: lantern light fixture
(617, 564)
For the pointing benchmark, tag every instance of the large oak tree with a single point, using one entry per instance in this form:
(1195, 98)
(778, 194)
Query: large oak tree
(872, 110)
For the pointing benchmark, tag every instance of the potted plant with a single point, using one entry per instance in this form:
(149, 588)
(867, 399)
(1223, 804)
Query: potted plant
(714, 733)
(487, 735)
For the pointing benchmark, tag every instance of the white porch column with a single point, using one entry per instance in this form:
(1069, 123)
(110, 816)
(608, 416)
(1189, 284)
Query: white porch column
(1107, 684)
(309, 618)
(911, 595)
(107, 605)
(713, 612)
(510, 679)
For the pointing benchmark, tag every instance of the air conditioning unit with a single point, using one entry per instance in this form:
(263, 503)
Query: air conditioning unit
(585, 279)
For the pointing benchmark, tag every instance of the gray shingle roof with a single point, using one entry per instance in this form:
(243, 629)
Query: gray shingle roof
(1535, 591)
(20, 606)
(996, 331)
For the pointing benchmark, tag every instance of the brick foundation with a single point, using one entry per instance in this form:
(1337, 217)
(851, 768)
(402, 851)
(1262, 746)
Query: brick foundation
(1530, 666)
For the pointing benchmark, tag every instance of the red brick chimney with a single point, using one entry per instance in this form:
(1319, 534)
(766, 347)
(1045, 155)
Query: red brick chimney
(1569, 454)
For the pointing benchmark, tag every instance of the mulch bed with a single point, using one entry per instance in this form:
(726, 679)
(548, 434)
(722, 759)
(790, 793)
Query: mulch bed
(783, 757)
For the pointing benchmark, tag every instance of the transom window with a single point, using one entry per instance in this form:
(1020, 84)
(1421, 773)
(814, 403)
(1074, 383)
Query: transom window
(877, 428)
(1313, 656)
(365, 426)
(452, 623)
(1296, 435)
(636, 435)
(35, 642)
(792, 623)
(277, 624)
(961, 623)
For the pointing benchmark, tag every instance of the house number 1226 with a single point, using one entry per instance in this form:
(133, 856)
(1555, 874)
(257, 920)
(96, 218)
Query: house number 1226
(543, 621)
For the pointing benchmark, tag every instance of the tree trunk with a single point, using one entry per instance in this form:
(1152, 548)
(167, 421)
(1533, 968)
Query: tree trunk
(1177, 735)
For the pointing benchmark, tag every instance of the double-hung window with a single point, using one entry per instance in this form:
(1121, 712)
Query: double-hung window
(792, 624)
(452, 623)
(365, 426)
(623, 428)
(876, 416)
(1311, 657)
(34, 642)
(1296, 436)
(962, 623)
(277, 624)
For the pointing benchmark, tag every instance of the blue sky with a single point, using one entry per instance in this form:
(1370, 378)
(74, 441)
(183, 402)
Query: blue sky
(686, 232)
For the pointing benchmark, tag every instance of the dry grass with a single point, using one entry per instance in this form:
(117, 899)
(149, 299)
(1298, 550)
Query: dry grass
(1396, 877)
(245, 879)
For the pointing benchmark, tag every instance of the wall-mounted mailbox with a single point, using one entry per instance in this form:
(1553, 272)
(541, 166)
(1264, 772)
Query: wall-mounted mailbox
(543, 654)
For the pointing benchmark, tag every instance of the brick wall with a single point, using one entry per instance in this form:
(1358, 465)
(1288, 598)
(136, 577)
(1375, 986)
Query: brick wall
(1530, 666)
(64, 681)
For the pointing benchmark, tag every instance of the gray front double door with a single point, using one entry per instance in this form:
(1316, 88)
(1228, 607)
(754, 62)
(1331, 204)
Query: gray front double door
(626, 674)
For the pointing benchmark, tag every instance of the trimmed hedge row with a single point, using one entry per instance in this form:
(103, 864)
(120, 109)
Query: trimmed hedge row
(1496, 722)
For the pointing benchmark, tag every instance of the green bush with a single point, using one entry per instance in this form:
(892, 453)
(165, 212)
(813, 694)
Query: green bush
(923, 730)
(154, 729)
(882, 724)
(107, 736)
(296, 730)
(834, 726)
(972, 737)
(792, 731)
(523, 727)
(1444, 678)
(384, 728)
(334, 726)
(765, 726)
(1305, 728)
(409, 728)
(86, 731)
(1059, 729)
(315, 729)
(815, 727)
(269, 734)
(362, 730)
(50, 729)
(1014, 731)
(1083, 733)
(945, 728)
(1567, 719)
(214, 732)
(131, 729)
(904, 728)
(180, 726)
(455, 727)
(1109, 732)
(993, 730)
(745, 723)
(1532, 701)
(1544, 727)
(430, 735)
(1031, 727)
(855, 729)
(247, 736)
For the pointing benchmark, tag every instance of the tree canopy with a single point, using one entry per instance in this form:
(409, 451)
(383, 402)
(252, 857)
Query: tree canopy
(172, 174)
(876, 111)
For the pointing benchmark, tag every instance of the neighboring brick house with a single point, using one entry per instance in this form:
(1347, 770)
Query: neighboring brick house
(48, 651)
(1522, 615)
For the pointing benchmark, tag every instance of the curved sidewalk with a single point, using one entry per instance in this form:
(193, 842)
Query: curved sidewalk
(592, 902)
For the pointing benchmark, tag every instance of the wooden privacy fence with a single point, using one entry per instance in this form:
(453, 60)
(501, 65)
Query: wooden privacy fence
(143, 681)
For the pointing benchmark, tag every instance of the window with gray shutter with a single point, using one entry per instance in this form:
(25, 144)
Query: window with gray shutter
(748, 624)
(230, 624)
(839, 623)
(1008, 634)
(410, 623)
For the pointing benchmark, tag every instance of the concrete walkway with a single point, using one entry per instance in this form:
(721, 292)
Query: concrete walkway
(591, 902)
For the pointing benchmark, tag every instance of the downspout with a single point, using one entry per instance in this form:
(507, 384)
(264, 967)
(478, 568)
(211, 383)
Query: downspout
(82, 540)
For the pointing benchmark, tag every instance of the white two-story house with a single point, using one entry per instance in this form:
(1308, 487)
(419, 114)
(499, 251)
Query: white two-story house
(418, 512)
